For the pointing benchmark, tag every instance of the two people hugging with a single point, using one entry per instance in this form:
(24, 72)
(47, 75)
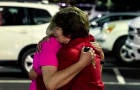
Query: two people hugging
(61, 62)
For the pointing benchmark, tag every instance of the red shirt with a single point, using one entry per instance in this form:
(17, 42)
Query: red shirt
(89, 78)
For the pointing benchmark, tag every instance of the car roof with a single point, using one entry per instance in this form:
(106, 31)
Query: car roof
(52, 8)
(115, 14)
(123, 13)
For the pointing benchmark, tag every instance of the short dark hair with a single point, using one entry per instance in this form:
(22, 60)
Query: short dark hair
(73, 21)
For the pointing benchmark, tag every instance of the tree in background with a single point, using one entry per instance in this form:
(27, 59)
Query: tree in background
(126, 5)
(118, 5)
(104, 5)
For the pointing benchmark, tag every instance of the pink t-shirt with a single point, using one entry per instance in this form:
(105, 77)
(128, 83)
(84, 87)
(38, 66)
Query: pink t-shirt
(45, 57)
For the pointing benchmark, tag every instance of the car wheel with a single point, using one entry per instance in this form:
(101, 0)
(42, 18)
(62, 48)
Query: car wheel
(126, 55)
(26, 61)
(120, 52)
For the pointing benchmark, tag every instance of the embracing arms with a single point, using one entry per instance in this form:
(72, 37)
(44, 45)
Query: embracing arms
(54, 79)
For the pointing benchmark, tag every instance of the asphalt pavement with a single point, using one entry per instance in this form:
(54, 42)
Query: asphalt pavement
(115, 76)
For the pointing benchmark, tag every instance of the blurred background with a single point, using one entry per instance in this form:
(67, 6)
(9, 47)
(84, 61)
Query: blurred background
(115, 25)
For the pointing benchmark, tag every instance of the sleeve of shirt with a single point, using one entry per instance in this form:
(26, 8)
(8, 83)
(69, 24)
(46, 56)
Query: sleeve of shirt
(48, 54)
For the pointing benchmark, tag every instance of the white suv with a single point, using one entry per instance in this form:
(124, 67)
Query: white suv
(111, 31)
(131, 49)
(22, 25)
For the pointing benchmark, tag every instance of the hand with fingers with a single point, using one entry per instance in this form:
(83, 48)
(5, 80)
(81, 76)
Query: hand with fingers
(87, 55)
(88, 49)
(98, 49)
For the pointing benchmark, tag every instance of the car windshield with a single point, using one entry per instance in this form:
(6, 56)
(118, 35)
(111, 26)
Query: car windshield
(101, 19)
(97, 17)
(98, 20)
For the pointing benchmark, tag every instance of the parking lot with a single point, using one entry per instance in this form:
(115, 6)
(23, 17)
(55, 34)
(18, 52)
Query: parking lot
(115, 76)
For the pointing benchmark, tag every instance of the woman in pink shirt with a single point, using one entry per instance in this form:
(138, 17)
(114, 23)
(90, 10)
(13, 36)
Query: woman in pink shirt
(45, 57)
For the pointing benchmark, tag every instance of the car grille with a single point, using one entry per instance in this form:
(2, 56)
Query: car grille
(138, 50)
(131, 29)
(134, 31)
(138, 31)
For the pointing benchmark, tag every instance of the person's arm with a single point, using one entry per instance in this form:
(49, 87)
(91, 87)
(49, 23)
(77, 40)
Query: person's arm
(32, 74)
(54, 79)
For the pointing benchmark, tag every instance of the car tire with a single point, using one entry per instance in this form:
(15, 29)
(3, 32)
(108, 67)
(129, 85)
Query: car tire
(26, 61)
(119, 51)
(126, 55)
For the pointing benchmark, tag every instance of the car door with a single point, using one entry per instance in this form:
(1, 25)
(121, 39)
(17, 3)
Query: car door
(12, 31)
(21, 27)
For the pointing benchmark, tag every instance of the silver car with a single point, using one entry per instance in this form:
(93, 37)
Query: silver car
(131, 49)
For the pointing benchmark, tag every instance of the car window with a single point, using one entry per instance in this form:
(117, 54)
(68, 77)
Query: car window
(114, 18)
(12, 16)
(103, 20)
(111, 18)
(128, 17)
(97, 17)
(38, 16)
(121, 17)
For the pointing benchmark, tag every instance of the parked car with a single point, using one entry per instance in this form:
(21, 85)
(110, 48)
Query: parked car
(131, 49)
(102, 18)
(96, 23)
(95, 28)
(112, 31)
(22, 25)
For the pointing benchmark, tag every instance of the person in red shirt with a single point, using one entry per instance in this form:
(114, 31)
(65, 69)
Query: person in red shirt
(72, 27)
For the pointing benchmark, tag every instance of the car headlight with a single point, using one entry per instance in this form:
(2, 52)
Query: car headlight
(108, 28)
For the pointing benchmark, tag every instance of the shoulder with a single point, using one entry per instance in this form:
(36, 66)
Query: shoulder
(51, 41)
(51, 44)
(54, 41)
